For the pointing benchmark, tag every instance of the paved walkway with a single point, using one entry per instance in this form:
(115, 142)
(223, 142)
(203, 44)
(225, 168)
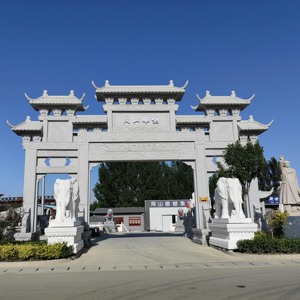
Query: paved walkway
(149, 251)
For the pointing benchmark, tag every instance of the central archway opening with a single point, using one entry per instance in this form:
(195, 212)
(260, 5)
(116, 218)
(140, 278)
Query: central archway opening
(144, 195)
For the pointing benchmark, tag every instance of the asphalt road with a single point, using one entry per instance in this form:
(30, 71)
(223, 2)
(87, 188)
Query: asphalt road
(153, 266)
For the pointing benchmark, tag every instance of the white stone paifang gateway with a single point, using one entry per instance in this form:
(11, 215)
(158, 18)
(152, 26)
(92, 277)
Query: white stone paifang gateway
(140, 123)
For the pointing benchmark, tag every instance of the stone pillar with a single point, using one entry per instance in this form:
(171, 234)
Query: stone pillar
(201, 195)
(43, 194)
(235, 129)
(172, 121)
(36, 199)
(109, 120)
(83, 179)
(30, 184)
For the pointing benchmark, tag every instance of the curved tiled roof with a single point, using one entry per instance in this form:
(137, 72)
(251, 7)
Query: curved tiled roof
(49, 101)
(28, 125)
(252, 125)
(229, 101)
(139, 90)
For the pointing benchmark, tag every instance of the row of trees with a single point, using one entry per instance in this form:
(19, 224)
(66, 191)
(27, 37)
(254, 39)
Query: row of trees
(126, 184)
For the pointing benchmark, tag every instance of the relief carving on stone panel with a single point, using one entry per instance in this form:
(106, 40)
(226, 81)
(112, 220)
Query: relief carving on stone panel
(57, 153)
(56, 170)
(139, 129)
(210, 164)
(146, 151)
(36, 138)
(142, 108)
(57, 162)
(58, 131)
(144, 119)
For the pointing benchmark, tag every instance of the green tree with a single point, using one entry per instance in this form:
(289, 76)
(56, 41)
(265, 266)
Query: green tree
(243, 162)
(126, 184)
(273, 175)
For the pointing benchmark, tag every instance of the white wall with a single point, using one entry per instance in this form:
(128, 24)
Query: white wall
(160, 215)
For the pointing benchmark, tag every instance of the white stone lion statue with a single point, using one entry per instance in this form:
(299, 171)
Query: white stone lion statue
(66, 194)
(228, 198)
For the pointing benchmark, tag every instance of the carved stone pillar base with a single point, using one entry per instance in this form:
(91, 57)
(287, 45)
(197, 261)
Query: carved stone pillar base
(226, 232)
(200, 236)
(70, 235)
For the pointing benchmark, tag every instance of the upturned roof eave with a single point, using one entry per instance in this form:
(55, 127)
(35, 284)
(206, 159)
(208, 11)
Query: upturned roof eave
(38, 106)
(204, 106)
(26, 126)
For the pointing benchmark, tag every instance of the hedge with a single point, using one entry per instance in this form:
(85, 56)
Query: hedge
(268, 245)
(34, 251)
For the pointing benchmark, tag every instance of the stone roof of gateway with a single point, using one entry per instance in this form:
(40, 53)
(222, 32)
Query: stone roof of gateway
(252, 125)
(47, 100)
(109, 89)
(28, 125)
(231, 100)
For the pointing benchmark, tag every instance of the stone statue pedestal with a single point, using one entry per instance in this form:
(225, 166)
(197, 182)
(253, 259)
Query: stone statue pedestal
(64, 223)
(26, 236)
(179, 227)
(110, 226)
(226, 232)
(292, 229)
(69, 232)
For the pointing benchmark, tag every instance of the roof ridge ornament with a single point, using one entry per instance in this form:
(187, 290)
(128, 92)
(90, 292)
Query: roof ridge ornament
(171, 83)
(197, 95)
(207, 94)
(107, 83)
(45, 93)
(9, 124)
(94, 85)
(71, 93)
(185, 85)
(233, 94)
(82, 97)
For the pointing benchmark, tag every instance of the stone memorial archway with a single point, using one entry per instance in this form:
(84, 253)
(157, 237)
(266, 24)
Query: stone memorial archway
(140, 124)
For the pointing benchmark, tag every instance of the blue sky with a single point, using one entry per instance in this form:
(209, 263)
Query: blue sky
(220, 46)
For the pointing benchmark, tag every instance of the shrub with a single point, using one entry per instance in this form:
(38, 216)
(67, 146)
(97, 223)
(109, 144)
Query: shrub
(34, 251)
(276, 222)
(268, 245)
(8, 224)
